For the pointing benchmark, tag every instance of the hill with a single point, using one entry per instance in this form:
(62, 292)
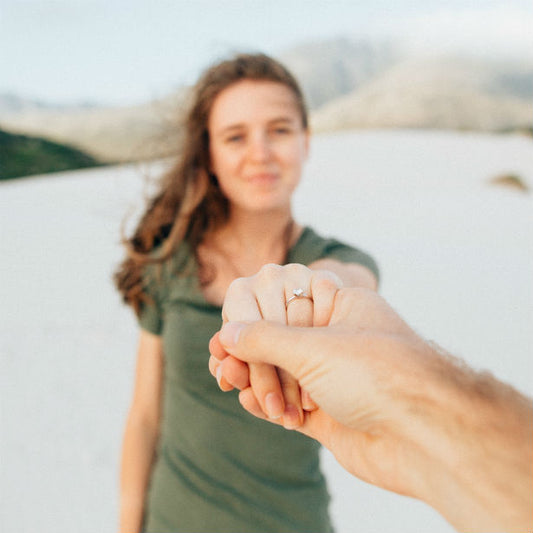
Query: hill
(437, 93)
(109, 134)
(332, 68)
(348, 84)
(21, 155)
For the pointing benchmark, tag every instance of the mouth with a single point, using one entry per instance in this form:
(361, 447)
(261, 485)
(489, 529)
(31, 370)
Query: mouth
(262, 178)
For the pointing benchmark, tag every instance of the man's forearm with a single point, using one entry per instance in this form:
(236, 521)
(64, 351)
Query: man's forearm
(476, 435)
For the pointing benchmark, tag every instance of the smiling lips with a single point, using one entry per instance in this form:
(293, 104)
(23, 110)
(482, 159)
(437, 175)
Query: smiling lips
(262, 178)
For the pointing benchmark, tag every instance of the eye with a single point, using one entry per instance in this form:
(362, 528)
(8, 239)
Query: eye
(281, 130)
(235, 138)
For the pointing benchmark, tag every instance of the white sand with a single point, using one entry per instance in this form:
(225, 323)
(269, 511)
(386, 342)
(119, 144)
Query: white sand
(456, 258)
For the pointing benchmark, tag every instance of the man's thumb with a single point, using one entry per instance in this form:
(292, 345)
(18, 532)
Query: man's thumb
(267, 342)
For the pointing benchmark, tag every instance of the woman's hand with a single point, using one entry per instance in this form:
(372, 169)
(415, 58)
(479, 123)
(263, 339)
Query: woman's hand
(269, 295)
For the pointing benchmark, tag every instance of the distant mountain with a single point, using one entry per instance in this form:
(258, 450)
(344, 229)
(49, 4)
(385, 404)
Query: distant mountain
(335, 67)
(21, 155)
(437, 92)
(111, 134)
(348, 84)
(12, 104)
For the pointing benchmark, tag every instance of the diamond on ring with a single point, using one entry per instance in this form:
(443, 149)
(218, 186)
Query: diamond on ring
(297, 293)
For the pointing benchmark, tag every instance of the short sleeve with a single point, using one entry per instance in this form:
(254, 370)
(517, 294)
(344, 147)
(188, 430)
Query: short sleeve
(151, 316)
(335, 249)
(312, 247)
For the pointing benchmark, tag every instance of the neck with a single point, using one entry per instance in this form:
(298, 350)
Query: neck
(254, 233)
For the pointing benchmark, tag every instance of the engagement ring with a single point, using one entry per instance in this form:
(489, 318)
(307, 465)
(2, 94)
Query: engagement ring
(297, 293)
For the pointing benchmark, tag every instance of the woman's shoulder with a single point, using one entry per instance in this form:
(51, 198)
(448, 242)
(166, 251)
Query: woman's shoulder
(162, 271)
(312, 246)
(307, 248)
(310, 243)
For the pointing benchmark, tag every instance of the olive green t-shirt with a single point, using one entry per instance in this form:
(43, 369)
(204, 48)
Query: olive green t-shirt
(219, 469)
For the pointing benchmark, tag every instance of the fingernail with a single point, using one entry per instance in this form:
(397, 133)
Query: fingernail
(219, 374)
(291, 417)
(274, 405)
(307, 403)
(229, 334)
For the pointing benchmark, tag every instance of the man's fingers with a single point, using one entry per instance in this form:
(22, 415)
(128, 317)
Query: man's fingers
(286, 347)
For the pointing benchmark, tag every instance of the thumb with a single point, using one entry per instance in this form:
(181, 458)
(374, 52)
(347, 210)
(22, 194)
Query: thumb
(287, 347)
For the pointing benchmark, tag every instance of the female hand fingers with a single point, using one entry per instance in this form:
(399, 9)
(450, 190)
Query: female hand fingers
(299, 313)
(215, 347)
(313, 311)
(240, 303)
(248, 400)
(236, 373)
(307, 402)
(267, 388)
(293, 415)
(324, 287)
(216, 369)
(273, 394)
(254, 298)
(268, 286)
(264, 296)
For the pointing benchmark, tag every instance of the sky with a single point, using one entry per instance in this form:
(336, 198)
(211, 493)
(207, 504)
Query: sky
(129, 51)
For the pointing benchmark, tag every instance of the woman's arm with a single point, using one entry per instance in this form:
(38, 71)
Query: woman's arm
(141, 434)
(351, 274)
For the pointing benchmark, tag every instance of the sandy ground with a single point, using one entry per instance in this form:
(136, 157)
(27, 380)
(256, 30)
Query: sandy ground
(456, 257)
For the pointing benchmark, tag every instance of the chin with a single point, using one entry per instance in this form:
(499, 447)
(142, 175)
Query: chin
(265, 207)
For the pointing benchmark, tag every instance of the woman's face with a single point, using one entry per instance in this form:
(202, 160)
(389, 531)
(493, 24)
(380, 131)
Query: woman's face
(257, 144)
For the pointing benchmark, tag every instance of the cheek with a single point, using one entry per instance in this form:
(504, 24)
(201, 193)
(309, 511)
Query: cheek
(222, 162)
(297, 150)
(295, 158)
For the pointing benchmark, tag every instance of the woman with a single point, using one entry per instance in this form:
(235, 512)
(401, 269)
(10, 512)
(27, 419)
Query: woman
(193, 461)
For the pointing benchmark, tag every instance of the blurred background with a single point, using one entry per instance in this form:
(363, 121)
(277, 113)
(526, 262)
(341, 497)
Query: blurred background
(422, 155)
(109, 77)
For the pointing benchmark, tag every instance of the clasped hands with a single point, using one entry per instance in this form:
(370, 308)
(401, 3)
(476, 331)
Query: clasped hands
(267, 391)
(394, 409)
(345, 382)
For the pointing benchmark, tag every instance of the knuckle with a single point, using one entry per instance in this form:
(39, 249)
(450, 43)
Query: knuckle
(237, 286)
(325, 284)
(296, 269)
(269, 272)
(238, 289)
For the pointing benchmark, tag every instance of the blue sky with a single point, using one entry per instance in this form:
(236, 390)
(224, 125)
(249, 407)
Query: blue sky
(115, 51)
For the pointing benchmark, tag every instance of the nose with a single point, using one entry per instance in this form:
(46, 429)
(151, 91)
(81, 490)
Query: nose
(259, 148)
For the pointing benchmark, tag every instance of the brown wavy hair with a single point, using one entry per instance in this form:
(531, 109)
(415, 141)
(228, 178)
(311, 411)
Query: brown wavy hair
(189, 202)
